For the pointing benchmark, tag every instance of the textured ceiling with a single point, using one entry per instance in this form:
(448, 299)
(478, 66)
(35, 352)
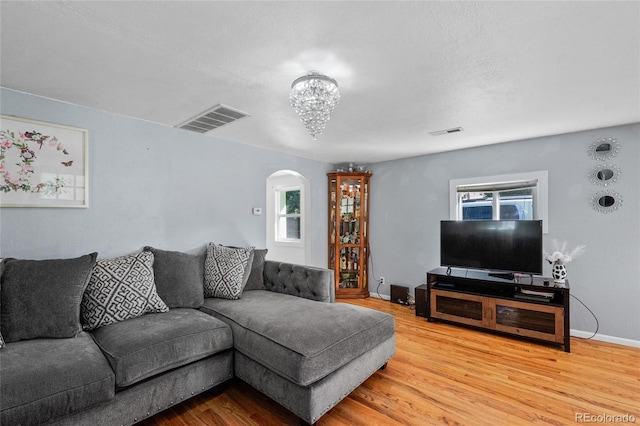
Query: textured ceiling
(502, 70)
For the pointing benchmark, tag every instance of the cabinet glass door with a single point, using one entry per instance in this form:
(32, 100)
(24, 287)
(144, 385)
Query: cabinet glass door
(333, 233)
(543, 322)
(538, 321)
(350, 234)
(463, 308)
(470, 309)
(350, 204)
(349, 267)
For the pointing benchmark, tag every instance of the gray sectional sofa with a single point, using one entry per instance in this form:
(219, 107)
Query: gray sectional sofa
(284, 336)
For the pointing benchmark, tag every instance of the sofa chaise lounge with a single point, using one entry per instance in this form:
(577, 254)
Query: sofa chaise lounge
(284, 336)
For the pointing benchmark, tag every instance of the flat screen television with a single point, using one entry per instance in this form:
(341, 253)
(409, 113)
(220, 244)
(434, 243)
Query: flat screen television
(493, 245)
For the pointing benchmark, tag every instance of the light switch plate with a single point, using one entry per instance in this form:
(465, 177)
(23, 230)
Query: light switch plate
(257, 211)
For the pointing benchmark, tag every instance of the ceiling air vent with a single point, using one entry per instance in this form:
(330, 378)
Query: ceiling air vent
(212, 118)
(447, 131)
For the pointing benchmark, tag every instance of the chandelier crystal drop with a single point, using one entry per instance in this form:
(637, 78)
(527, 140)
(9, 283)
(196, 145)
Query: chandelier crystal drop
(314, 96)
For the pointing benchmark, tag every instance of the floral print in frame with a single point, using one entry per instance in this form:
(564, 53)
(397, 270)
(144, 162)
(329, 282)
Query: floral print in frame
(42, 164)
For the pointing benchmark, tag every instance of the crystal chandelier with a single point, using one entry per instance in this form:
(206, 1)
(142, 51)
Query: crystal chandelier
(314, 96)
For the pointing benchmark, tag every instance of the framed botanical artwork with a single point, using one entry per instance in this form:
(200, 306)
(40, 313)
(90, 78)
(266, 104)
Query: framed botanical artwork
(42, 164)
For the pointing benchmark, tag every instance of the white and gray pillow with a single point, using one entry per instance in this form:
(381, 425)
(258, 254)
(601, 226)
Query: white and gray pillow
(120, 289)
(226, 270)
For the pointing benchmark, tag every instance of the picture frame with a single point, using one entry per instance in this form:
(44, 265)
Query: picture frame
(43, 164)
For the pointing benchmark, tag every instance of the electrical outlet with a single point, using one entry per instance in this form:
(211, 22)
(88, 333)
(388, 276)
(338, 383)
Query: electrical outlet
(381, 281)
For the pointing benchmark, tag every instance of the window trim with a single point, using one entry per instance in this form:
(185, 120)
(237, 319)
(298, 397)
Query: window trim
(541, 204)
(289, 242)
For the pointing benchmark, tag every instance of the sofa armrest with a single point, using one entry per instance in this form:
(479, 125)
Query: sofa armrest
(300, 280)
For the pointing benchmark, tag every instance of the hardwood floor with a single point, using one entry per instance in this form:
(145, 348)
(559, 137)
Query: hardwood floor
(444, 374)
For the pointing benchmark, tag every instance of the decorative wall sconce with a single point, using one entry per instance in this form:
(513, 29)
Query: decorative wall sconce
(605, 174)
(604, 149)
(606, 201)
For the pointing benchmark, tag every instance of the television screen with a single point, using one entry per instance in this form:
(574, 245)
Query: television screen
(494, 245)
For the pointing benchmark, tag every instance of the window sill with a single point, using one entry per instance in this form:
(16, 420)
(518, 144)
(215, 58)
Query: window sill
(290, 244)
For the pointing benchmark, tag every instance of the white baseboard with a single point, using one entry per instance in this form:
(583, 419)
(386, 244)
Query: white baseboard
(606, 338)
(379, 296)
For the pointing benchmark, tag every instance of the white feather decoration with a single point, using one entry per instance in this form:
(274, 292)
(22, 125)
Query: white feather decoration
(560, 253)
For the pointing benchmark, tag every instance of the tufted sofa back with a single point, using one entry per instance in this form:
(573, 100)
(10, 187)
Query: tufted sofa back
(299, 280)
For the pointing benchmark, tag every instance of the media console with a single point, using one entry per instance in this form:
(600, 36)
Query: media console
(526, 306)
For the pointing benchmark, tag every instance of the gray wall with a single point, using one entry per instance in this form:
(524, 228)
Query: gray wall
(409, 197)
(154, 185)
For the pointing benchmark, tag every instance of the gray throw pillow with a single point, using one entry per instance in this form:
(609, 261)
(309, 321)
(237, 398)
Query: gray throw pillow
(226, 271)
(120, 289)
(41, 298)
(179, 278)
(256, 277)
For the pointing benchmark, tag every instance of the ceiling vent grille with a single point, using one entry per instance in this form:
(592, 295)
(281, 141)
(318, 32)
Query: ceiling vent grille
(213, 118)
(447, 131)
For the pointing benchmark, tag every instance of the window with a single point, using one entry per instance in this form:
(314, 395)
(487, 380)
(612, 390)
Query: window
(289, 215)
(521, 196)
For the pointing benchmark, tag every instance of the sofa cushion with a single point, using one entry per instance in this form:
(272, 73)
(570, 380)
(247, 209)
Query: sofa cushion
(256, 276)
(45, 379)
(120, 289)
(151, 344)
(41, 298)
(179, 277)
(226, 270)
(300, 339)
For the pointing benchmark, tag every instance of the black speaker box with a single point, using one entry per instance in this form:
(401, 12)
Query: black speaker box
(422, 305)
(399, 294)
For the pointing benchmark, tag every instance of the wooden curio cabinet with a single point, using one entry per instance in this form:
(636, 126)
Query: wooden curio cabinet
(349, 233)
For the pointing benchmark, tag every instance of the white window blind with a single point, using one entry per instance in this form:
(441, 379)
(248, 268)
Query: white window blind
(497, 186)
(468, 192)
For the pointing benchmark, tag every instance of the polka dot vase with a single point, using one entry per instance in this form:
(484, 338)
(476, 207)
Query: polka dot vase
(559, 273)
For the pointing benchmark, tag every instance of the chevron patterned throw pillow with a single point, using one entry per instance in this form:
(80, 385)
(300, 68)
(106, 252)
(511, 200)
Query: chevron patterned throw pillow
(226, 271)
(120, 289)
